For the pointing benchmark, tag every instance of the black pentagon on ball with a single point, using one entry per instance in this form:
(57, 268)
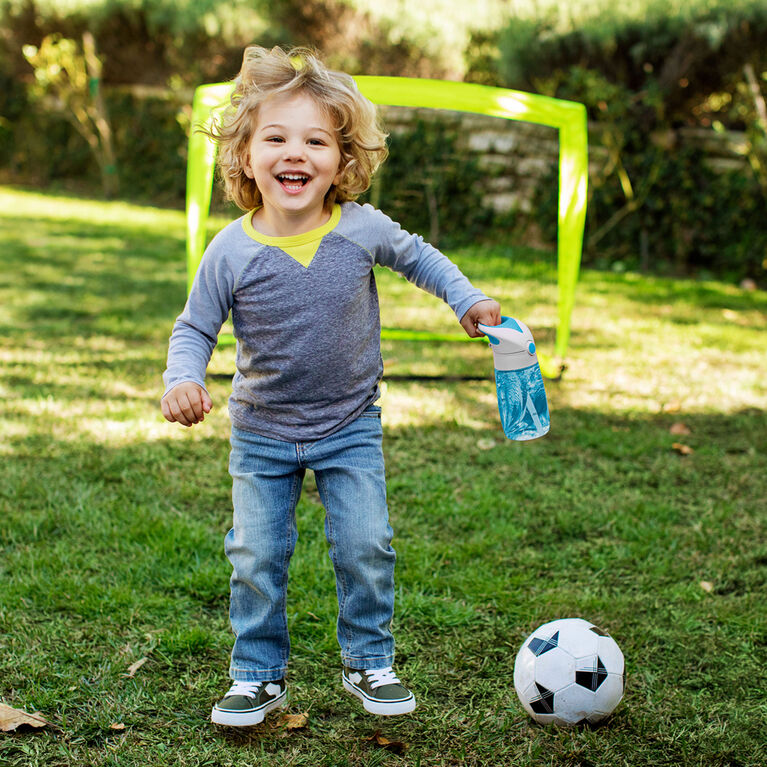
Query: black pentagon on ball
(544, 703)
(592, 678)
(539, 646)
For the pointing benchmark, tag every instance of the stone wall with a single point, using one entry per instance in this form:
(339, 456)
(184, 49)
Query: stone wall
(519, 155)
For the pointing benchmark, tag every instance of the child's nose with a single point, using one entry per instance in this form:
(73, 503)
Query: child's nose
(295, 150)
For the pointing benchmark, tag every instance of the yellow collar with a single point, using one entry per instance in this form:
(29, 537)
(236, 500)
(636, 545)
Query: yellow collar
(302, 247)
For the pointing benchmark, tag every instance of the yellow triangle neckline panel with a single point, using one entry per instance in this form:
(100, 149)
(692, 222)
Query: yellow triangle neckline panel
(300, 247)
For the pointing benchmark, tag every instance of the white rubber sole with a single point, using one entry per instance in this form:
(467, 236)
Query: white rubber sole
(247, 718)
(372, 706)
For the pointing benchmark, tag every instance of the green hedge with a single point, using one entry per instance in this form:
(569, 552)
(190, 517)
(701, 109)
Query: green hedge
(41, 147)
(693, 221)
(642, 77)
(432, 188)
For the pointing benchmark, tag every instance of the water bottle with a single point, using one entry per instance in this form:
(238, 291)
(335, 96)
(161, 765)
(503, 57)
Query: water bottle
(518, 381)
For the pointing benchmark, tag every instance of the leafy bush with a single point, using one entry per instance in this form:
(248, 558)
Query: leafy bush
(150, 145)
(200, 41)
(655, 202)
(687, 48)
(431, 187)
(145, 42)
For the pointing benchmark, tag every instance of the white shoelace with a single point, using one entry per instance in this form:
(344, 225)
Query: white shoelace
(248, 689)
(381, 676)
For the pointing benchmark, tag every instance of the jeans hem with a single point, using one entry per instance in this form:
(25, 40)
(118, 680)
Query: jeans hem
(243, 675)
(362, 664)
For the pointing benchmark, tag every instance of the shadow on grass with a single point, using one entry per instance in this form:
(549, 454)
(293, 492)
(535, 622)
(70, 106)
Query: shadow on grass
(83, 281)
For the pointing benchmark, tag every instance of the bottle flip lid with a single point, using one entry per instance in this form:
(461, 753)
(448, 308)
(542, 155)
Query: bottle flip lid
(512, 344)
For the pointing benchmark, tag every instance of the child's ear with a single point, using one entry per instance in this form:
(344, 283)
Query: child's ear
(243, 158)
(342, 166)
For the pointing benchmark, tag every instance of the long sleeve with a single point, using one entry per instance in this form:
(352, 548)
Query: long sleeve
(195, 332)
(423, 265)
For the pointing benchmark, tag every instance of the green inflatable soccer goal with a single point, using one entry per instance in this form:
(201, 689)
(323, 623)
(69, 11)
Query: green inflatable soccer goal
(567, 116)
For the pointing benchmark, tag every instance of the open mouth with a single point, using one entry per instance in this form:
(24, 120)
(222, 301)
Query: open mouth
(293, 181)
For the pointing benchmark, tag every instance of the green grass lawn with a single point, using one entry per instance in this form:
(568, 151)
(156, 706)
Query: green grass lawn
(112, 520)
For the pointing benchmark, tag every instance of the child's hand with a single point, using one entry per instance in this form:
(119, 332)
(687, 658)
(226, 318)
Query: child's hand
(488, 312)
(186, 404)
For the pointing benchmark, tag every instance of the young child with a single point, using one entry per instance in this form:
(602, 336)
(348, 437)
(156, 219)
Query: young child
(298, 145)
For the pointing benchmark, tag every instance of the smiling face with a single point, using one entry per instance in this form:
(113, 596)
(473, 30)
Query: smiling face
(294, 158)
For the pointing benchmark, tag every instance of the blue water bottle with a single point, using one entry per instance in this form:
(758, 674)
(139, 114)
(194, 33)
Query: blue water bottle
(518, 382)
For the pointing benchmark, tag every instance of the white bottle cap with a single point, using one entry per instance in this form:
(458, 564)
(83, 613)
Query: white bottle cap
(512, 344)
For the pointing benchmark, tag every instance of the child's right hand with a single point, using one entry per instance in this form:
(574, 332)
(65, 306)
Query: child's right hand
(186, 404)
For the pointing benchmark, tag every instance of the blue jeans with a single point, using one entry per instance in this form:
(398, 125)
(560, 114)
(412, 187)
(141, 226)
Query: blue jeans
(267, 476)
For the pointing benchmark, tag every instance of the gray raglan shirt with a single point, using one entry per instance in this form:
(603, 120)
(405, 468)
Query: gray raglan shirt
(306, 318)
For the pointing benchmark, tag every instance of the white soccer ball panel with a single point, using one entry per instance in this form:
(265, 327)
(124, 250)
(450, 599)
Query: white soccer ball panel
(611, 655)
(609, 694)
(555, 669)
(547, 629)
(524, 669)
(573, 704)
(578, 639)
(597, 716)
(546, 719)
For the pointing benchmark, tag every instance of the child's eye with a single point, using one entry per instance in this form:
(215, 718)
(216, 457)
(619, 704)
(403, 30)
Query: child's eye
(316, 142)
(275, 139)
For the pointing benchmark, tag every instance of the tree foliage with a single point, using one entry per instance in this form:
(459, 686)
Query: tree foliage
(68, 78)
(645, 79)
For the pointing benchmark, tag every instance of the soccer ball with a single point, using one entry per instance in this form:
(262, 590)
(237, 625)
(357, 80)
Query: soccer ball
(569, 672)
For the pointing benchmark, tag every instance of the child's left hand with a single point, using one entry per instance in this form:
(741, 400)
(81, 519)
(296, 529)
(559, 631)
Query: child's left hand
(488, 312)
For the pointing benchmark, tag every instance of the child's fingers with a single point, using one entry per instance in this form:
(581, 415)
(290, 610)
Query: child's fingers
(469, 324)
(166, 411)
(186, 404)
(494, 316)
(181, 409)
(488, 313)
(177, 411)
(191, 407)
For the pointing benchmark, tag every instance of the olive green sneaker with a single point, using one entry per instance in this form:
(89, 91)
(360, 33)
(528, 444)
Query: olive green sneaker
(379, 690)
(247, 703)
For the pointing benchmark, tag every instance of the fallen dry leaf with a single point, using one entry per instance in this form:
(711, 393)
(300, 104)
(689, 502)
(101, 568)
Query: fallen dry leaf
(682, 449)
(680, 429)
(11, 718)
(486, 444)
(134, 667)
(295, 721)
(672, 407)
(117, 726)
(395, 746)
(707, 586)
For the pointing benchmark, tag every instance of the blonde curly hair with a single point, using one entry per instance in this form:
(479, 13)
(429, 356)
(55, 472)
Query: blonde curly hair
(266, 73)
